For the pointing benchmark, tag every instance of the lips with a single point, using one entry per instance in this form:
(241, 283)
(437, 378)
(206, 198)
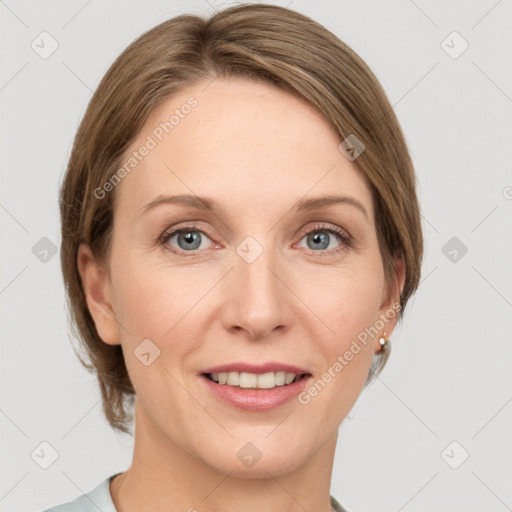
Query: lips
(255, 400)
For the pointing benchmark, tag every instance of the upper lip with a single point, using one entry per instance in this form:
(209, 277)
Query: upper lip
(255, 368)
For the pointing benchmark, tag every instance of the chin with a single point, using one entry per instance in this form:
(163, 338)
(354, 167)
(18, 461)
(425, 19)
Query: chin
(246, 460)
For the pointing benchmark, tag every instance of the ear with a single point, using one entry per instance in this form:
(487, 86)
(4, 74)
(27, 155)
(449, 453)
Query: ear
(98, 293)
(391, 297)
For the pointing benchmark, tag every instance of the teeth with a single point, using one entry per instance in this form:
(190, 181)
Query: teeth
(280, 378)
(248, 380)
(254, 380)
(233, 379)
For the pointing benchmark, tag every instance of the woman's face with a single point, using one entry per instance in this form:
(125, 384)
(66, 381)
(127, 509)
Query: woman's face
(250, 279)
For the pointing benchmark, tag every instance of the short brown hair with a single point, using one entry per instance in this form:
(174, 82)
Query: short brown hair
(261, 42)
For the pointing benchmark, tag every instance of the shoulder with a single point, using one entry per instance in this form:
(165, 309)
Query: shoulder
(97, 499)
(336, 506)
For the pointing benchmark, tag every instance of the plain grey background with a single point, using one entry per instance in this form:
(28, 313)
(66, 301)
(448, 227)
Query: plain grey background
(433, 433)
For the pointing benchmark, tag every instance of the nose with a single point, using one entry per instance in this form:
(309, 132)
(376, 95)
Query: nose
(257, 298)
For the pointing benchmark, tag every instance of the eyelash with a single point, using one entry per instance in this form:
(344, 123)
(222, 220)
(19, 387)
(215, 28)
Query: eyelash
(345, 239)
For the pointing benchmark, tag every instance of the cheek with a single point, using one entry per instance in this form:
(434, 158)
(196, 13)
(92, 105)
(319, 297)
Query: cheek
(345, 300)
(141, 304)
(347, 309)
(152, 307)
(164, 305)
(153, 297)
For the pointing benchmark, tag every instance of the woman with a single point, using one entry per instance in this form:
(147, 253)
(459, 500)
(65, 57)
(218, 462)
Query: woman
(241, 234)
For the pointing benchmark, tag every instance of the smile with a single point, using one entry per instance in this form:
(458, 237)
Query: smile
(248, 380)
(255, 392)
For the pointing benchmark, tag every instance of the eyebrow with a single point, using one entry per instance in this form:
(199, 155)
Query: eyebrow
(210, 205)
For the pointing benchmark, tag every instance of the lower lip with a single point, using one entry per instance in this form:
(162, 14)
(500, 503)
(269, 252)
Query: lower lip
(256, 400)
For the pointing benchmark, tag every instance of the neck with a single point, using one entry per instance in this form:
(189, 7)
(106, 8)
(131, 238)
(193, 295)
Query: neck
(165, 476)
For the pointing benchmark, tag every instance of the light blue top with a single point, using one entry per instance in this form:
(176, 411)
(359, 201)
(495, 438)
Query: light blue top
(99, 499)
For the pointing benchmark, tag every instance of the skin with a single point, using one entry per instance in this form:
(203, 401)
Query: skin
(256, 150)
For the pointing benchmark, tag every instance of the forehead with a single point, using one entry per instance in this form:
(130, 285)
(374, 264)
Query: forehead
(240, 141)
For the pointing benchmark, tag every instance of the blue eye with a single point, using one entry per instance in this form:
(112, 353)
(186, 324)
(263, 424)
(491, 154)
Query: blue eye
(320, 239)
(190, 240)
